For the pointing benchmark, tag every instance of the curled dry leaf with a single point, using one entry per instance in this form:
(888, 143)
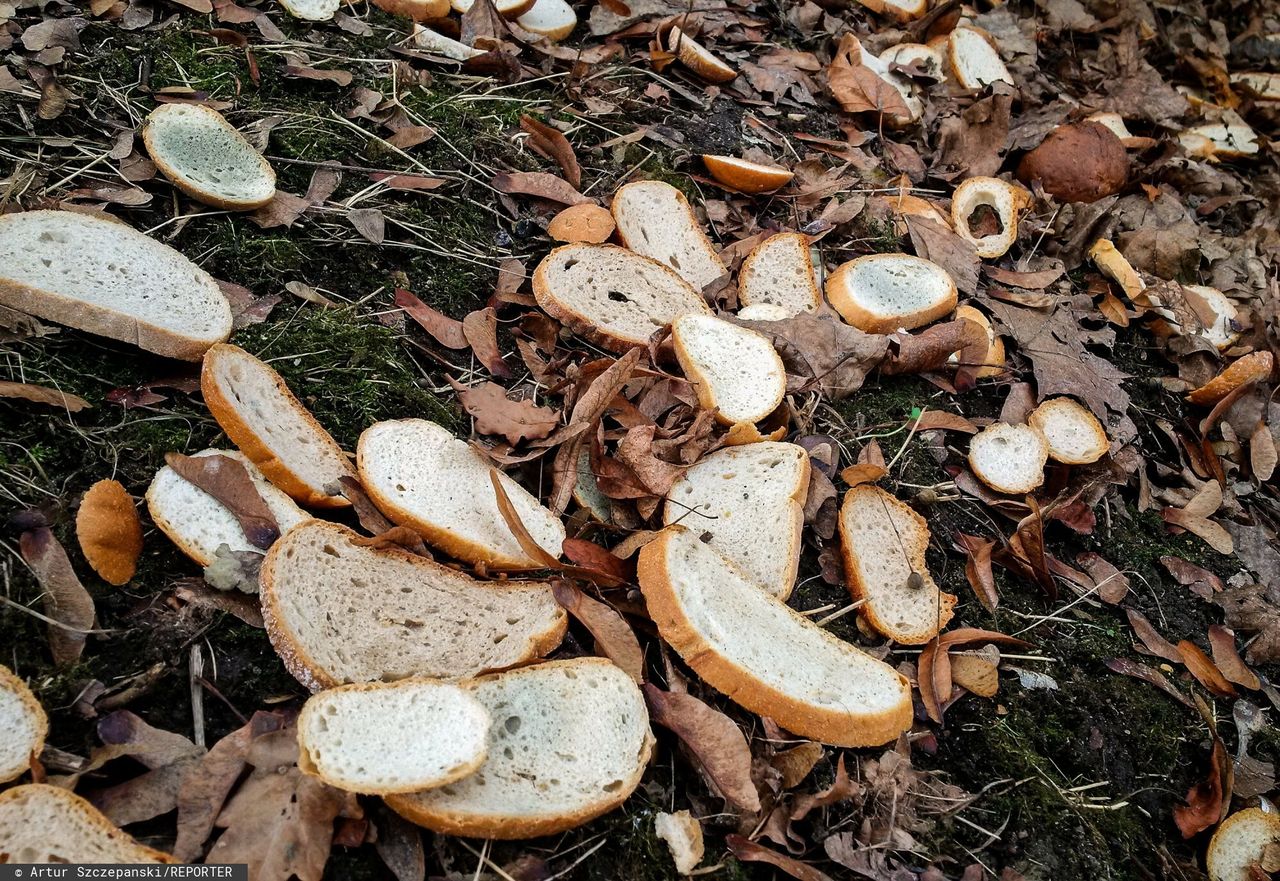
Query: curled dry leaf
(977, 568)
(495, 413)
(373, 520)
(481, 331)
(1206, 801)
(229, 482)
(818, 346)
(538, 184)
(750, 852)
(795, 764)
(1194, 517)
(976, 674)
(859, 89)
(1222, 642)
(1112, 584)
(40, 394)
(1254, 608)
(930, 349)
(1126, 667)
(109, 531)
(552, 144)
(1204, 670)
(614, 637)
(65, 600)
(590, 555)
(1151, 638)
(841, 789)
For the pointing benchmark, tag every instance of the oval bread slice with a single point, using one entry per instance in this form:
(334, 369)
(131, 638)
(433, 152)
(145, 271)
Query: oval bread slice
(109, 279)
(553, 19)
(974, 61)
(417, 10)
(1240, 842)
(1075, 435)
(734, 370)
(505, 8)
(747, 503)
(311, 10)
(880, 293)
(263, 417)
(744, 175)
(204, 156)
(48, 824)
(993, 362)
(569, 741)
(24, 724)
(612, 296)
(762, 654)
(884, 542)
(423, 477)
(654, 220)
(338, 612)
(377, 738)
(1009, 458)
(779, 272)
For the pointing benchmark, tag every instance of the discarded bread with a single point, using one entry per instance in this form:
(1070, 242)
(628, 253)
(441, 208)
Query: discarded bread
(746, 176)
(109, 532)
(1005, 199)
(698, 58)
(764, 312)
(40, 823)
(24, 724)
(683, 834)
(378, 738)
(898, 10)
(764, 655)
(109, 279)
(423, 477)
(1218, 326)
(1009, 458)
(1240, 842)
(921, 56)
(779, 272)
(655, 220)
(734, 370)
(568, 742)
(1113, 265)
(1220, 140)
(263, 417)
(207, 158)
(880, 293)
(446, 47)
(974, 59)
(585, 222)
(505, 8)
(339, 611)
(553, 19)
(1075, 435)
(993, 362)
(1253, 367)
(311, 10)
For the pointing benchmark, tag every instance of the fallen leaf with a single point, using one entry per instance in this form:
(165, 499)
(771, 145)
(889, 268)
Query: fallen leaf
(1222, 642)
(411, 136)
(977, 568)
(481, 330)
(1262, 452)
(834, 357)
(109, 531)
(482, 26)
(857, 88)
(1204, 802)
(1194, 517)
(410, 182)
(495, 413)
(369, 222)
(552, 144)
(929, 350)
(1201, 581)
(942, 245)
(399, 844)
(1126, 667)
(64, 599)
(795, 764)
(40, 394)
(591, 556)
(446, 331)
(976, 674)
(1112, 584)
(714, 740)
(751, 852)
(973, 143)
(195, 592)
(538, 184)
(1204, 670)
(167, 755)
(228, 481)
(613, 635)
(301, 71)
(1151, 638)
(1254, 608)
(515, 524)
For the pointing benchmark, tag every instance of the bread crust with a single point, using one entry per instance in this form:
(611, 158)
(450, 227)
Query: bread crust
(553, 34)
(953, 63)
(746, 176)
(965, 200)
(857, 315)
(171, 531)
(74, 804)
(695, 229)
(1255, 365)
(1224, 831)
(1101, 442)
(993, 362)
(823, 724)
(699, 58)
(174, 174)
(704, 389)
(109, 531)
(12, 683)
(247, 440)
(418, 10)
(994, 483)
(748, 266)
(896, 12)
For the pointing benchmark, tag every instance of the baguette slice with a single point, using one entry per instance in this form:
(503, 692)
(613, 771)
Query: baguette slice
(884, 542)
(338, 611)
(423, 477)
(1005, 199)
(198, 523)
(311, 10)
(48, 824)
(109, 279)
(744, 175)
(899, 10)
(1239, 842)
(698, 58)
(569, 741)
(880, 293)
(654, 220)
(446, 47)
(417, 10)
(610, 295)
(271, 426)
(378, 737)
(993, 362)
(735, 370)
(747, 503)
(779, 272)
(505, 8)
(762, 654)
(1009, 458)
(553, 19)
(975, 61)
(24, 724)
(1075, 435)
(764, 312)
(204, 156)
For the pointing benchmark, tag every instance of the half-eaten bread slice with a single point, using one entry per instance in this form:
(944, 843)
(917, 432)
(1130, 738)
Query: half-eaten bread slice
(204, 156)
(654, 219)
(1009, 458)
(1240, 842)
(553, 19)
(24, 724)
(40, 823)
(1075, 435)
(1004, 199)
(880, 293)
(779, 272)
(311, 10)
(734, 370)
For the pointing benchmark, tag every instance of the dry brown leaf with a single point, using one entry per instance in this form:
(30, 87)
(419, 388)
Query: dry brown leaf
(167, 755)
(941, 244)
(863, 472)
(297, 70)
(614, 637)
(481, 330)
(1112, 584)
(65, 599)
(109, 531)
(40, 394)
(841, 789)
(975, 674)
(408, 182)
(1205, 800)
(1194, 517)
(538, 184)
(750, 852)
(228, 481)
(1204, 669)
(977, 568)
(1126, 667)
(373, 520)
(591, 556)
(196, 592)
(1201, 581)
(928, 350)
(1262, 452)
(1151, 638)
(552, 144)
(714, 740)
(935, 420)
(495, 413)
(1254, 608)
(511, 516)
(795, 764)
(857, 88)
(1222, 642)
(834, 357)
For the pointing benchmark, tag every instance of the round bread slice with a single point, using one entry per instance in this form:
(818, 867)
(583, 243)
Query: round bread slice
(975, 61)
(338, 611)
(418, 10)
(1218, 326)
(423, 477)
(1006, 200)
(734, 370)
(779, 272)
(654, 219)
(24, 724)
(311, 10)
(924, 57)
(568, 742)
(746, 176)
(263, 417)
(880, 293)
(1075, 435)
(584, 222)
(1240, 842)
(1254, 366)
(48, 824)
(610, 295)
(204, 156)
(762, 654)
(1009, 458)
(199, 524)
(553, 19)
(107, 278)
(378, 738)
(884, 543)
(505, 8)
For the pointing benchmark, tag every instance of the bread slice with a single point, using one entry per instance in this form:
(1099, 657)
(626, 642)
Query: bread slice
(505, 8)
(654, 219)
(747, 503)
(1004, 198)
(1218, 326)
(553, 19)
(271, 426)
(974, 59)
(109, 279)
(24, 724)
(899, 10)
(779, 272)
(311, 10)
(764, 312)
(698, 58)
(1219, 139)
(926, 58)
(338, 612)
(379, 737)
(993, 362)
(1253, 366)
(1009, 458)
(1239, 842)
(1075, 435)
(198, 523)
(48, 824)
(884, 542)
(446, 47)
(762, 654)
(423, 477)
(735, 370)
(569, 741)
(880, 293)
(610, 295)
(204, 156)
(418, 10)
(744, 175)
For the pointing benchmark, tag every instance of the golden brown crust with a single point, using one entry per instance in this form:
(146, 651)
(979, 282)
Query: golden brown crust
(823, 724)
(10, 682)
(418, 10)
(746, 176)
(74, 804)
(1255, 365)
(993, 362)
(699, 58)
(1222, 835)
(254, 447)
(109, 531)
(868, 322)
(175, 177)
(706, 395)
(585, 222)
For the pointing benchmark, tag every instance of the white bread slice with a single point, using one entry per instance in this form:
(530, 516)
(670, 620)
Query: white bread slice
(899, 10)
(683, 834)
(1004, 198)
(48, 824)
(747, 503)
(1239, 842)
(654, 220)
(779, 271)
(107, 278)
(198, 523)
(926, 58)
(446, 47)
(1114, 121)
(24, 724)
(1220, 139)
(204, 156)
(1260, 84)
(1075, 435)
(734, 370)
(423, 477)
(764, 655)
(554, 19)
(884, 542)
(1009, 458)
(339, 612)
(764, 312)
(311, 10)
(880, 293)
(610, 295)
(505, 8)
(568, 742)
(270, 425)
(975, 61)
(1217, 328)
(381, 737)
